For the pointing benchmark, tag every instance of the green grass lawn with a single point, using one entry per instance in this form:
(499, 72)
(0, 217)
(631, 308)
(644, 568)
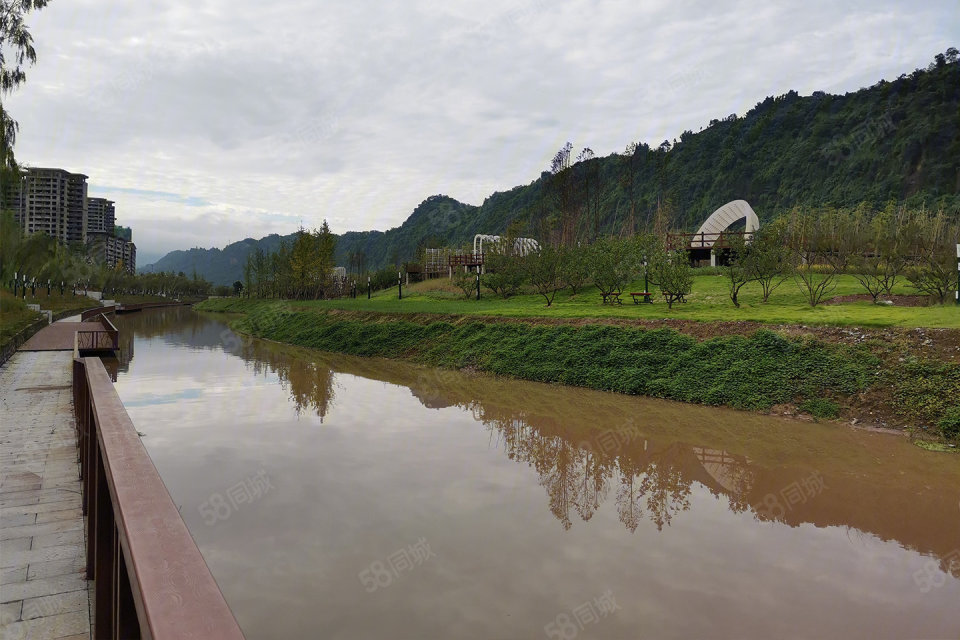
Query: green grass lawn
(709, 301)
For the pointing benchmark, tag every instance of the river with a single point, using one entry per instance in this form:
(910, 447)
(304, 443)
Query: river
(341, 497)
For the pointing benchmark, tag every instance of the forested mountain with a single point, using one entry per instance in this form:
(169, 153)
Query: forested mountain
(897, 140)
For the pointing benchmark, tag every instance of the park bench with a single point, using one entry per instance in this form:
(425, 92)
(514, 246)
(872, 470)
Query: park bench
(612, 297)
(641, 296)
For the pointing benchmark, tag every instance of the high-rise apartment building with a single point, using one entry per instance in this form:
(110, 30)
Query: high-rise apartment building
(53, 201)
(101, 215)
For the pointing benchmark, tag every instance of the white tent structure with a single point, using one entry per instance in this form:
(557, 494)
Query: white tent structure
(521, 246)
(720, 220)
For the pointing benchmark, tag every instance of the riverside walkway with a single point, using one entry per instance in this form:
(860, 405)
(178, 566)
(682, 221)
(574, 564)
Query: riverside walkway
(44, 592)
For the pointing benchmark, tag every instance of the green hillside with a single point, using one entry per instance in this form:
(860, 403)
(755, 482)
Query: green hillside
(897, 140)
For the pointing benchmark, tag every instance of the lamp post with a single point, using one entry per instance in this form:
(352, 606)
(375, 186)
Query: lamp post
(478, 283)
(16, 283)
(368, 287)
(957, 293)
(399, 286)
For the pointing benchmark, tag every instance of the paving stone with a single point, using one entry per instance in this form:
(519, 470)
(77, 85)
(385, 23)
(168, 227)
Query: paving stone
(54, 605)
(35, 530)
(17, 544)
(69, 566)
(46, 554)
(59, 626)
(10, 612)
(42, 587)
(65, 514)
(13, 574)
(58, 539)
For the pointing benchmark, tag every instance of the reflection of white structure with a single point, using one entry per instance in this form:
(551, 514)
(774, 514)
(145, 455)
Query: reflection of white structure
(521, 246)
(720, 220)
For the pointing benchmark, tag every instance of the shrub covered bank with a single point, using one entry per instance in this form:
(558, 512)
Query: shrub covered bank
(755, 372)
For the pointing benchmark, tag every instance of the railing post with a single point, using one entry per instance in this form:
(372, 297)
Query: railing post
(104, 571)
(125, 620)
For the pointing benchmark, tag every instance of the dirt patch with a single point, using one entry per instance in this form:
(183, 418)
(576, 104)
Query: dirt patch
(896, 301)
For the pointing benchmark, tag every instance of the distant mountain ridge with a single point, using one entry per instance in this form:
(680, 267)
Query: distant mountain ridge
(896, 140)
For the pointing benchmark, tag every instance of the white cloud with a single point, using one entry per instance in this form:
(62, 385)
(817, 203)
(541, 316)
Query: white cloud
(358, 111)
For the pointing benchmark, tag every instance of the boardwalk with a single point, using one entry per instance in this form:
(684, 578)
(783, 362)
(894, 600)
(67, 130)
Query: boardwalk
(58, 336)
(43, 591)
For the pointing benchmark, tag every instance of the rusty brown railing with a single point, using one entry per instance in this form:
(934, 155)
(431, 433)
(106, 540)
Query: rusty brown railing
(465, 260)
(150, 580)
(106, 339)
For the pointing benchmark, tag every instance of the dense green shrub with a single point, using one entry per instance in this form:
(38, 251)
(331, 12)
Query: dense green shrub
(820, 407)
(950, 423)
(754, 372)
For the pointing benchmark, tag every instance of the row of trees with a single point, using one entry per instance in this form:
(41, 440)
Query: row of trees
(302, 269)
(41, 258)
(810, 246)
(878, 248)
(610, 264)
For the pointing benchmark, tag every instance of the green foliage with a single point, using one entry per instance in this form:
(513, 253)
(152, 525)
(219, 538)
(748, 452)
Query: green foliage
(574, 267)
(466, 281)
(544, 272)
(670, 272)
(503, 274)
(926, 389)
(820, 408)
(949, 424)
(752, 372)
(613, 263)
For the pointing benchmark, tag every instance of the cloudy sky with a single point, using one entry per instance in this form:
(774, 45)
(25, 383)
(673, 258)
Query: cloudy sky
(214, 120)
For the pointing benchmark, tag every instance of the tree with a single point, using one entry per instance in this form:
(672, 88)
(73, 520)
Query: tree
(574, 267)
(613, 264)
(934, 269)
(466, 281)
(237, 287)
(821, 248)
(671, 273)
(544, 272)
(503, 273)
(17, 43)
(770, 262)
(739, 270)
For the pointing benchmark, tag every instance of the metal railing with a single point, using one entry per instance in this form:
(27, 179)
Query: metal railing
(90, 313)
(150, 580)
(106, 339)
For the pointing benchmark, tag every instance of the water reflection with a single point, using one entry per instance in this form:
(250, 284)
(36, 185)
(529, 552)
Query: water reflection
(629, 476)
(589, 447)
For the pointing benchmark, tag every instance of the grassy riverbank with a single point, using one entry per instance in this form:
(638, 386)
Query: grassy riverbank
(709, 302)
(872, 379)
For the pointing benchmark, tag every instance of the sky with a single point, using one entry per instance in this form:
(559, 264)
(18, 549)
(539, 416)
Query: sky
(211, 121)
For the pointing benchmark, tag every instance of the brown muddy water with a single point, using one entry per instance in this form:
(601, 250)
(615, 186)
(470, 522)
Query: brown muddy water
(340, 497)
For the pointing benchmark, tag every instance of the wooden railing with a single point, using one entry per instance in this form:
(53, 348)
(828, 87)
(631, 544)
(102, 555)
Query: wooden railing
(90, 313)
(465, 260)
(150, 580)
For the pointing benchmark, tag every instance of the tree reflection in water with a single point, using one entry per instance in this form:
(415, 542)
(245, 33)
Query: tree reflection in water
(585, 445)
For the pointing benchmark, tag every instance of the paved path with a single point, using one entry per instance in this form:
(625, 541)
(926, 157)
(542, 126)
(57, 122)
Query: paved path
(43, 590)
(58, 336)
